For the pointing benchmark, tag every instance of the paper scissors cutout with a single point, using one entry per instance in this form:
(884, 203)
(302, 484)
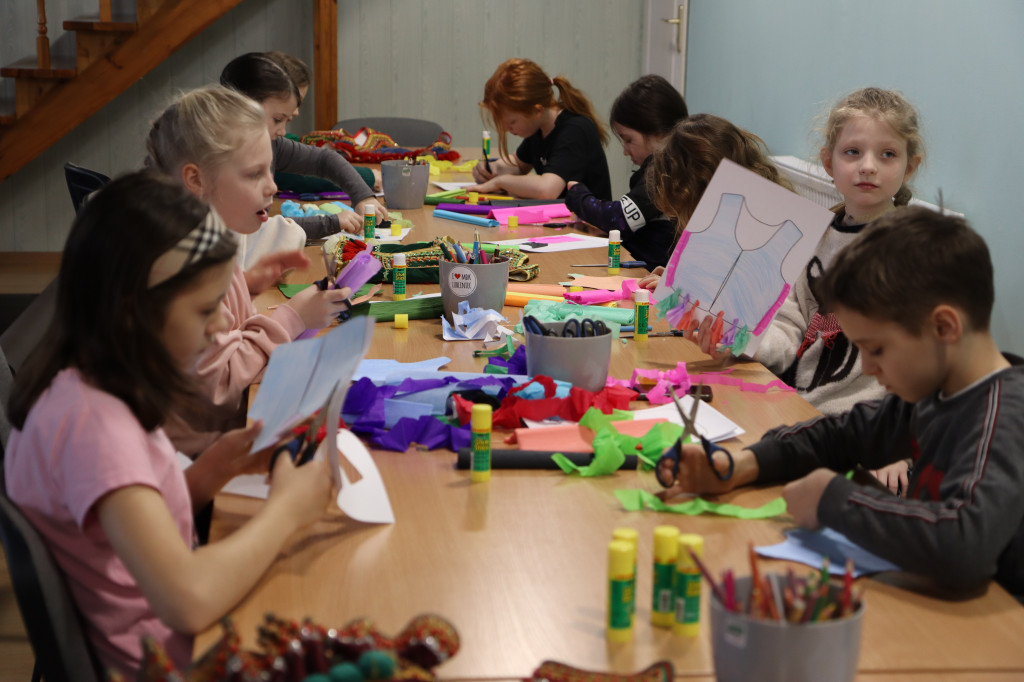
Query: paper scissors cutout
(668, 463)
(303, 446)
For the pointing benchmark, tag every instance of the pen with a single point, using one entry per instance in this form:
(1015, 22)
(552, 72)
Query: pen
(476, 246)
(459, 253)
(555, 225)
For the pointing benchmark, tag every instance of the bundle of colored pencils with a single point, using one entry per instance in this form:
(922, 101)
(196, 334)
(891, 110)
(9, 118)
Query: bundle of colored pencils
(792, 600)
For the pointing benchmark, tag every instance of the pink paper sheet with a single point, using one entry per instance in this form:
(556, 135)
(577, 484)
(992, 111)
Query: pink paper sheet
(595, 296)
(576, 438)
(531, 214)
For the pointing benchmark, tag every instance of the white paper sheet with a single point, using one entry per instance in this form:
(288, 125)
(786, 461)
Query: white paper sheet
(449, 186)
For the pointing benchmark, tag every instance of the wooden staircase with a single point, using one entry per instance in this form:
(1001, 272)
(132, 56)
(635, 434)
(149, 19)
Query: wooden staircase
(53, 96)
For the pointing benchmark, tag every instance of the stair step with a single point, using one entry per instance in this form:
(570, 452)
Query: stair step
(7, 115)
(61, 68)
(91, 22)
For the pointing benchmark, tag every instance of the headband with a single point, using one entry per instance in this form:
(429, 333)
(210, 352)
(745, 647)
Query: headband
(190, 249)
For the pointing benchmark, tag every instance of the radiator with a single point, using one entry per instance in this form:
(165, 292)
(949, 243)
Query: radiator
(812, 182)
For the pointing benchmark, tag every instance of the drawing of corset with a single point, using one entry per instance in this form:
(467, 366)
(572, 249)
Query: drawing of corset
(751, 254)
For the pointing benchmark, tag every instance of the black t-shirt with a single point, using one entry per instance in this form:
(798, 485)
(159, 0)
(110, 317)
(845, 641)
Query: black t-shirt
(572, 151)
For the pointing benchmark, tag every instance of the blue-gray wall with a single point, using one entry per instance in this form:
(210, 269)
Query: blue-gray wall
(774, 67)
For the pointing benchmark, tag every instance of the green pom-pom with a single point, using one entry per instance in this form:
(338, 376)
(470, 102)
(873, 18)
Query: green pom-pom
(317, 677)
(345, 672)
(377, 665)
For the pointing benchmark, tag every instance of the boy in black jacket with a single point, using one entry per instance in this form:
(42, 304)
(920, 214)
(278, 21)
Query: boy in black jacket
(915, 295)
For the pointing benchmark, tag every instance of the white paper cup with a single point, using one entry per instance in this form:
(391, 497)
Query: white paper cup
(769, 651)
(582, 361)
(405, 184)
(483, 285)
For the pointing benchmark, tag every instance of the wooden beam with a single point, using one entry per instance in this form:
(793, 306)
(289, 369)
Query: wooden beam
(62, 109)
(325, 63)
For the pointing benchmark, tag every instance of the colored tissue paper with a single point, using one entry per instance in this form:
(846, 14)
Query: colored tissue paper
(514, 408)
(474, 323)
(595, 296)
(637, 500)
(544, 213)
(427, 431)
(515, 364)
(607, 282)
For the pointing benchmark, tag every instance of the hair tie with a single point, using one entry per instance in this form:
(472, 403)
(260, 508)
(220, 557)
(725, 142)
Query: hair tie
(189, 249)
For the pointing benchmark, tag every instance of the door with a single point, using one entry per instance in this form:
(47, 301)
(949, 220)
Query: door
(665, 26)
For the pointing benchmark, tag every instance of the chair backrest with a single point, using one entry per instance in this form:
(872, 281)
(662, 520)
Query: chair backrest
(27, 331)
(82, 182)
(413, 133)
(6, 381)
(54, 625)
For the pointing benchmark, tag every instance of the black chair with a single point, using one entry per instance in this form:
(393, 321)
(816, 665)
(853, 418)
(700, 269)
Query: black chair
(82, 182)
(414, 133)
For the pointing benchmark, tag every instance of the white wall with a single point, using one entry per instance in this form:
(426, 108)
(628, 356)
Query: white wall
(773, 67)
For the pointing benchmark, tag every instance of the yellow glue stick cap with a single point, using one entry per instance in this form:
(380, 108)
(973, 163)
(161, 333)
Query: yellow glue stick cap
(666, 544)
(480, 417)
(401, 320)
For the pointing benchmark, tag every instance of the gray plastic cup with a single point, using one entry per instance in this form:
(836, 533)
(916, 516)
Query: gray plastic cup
(770, 651)
(405, 184)
(483, 285)
(582, 361)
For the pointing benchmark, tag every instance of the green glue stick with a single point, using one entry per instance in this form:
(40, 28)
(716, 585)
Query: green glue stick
(666, 550)
(480, 425)
(621, 559)
(631, 536)
(398, 277)
(687, 588)
(614, 251)
(369, 222)
(641, 311)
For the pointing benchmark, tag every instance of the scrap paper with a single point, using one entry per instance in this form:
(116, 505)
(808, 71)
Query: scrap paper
(562, 242)
(301, 375)
(637, 500)
(709, 422)
(811, 546)
(544, 213)
(470, 324)
(366, 499)
(452, 186)
(741, 252)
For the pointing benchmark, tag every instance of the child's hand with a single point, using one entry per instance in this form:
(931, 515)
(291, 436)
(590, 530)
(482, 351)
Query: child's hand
(351, 222)
(695, 475)
(269, 269)
(481, 174)
(319, 308)
(380, 211)
(302, 491)
(650, 282)
(894, 476)
(377, 182)
(491, 186)
(701, 335)
(803, 495)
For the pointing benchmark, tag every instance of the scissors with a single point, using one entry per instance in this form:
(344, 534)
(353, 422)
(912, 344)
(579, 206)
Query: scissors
(533, 326)
(327, 283)
(585, 327)
(673, 453)
(302, 448)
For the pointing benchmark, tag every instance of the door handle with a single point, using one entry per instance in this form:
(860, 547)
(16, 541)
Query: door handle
(678, 21)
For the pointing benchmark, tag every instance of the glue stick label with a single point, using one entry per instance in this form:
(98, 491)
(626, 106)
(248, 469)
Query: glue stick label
(620, 595)
(400, 277)
(369, 226)
(687, 597)
(640, 317)
(614, 250)
(481, 451)
(663, 594)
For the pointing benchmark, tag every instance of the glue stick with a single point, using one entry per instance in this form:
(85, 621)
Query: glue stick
(687, 588)
(631, 536)
(641, 309)
(480, 423)
(369, 221)
(666, 549)
(398, 277)
(621, 559)
(513, 223)
(614, 247)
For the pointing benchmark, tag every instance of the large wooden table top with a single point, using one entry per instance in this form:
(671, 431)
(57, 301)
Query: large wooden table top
(519, 564)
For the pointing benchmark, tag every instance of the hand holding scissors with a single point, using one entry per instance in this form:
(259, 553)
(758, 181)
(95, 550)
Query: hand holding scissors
(303, 447)
(667, 471)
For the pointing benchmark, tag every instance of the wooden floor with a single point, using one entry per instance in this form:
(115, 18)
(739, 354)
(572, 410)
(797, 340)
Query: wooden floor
(16, 656)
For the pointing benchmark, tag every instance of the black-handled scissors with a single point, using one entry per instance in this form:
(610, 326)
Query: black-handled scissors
(303, 447)
(531, 325)
(671, 456)
(328, 283)
(585, 327)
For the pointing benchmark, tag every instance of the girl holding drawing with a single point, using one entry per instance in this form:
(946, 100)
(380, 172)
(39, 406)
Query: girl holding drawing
(564, 140)
(641, 116)
(215, 142)
(89, 464)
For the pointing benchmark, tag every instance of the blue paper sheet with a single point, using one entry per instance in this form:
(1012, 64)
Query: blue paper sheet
(465, 218)
(381, 369)
(811, 546)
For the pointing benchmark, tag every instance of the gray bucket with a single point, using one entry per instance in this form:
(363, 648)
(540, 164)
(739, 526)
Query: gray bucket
(582, 361)
(405, 184)
(483, 285)
(770, 651)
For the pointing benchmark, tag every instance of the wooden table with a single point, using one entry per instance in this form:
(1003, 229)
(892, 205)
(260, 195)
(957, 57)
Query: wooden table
(519, 564)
